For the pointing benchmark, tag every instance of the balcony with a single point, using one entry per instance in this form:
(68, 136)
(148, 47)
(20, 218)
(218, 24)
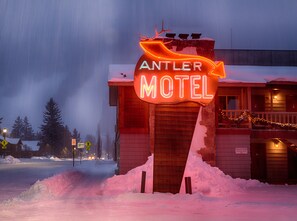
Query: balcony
(257, 120)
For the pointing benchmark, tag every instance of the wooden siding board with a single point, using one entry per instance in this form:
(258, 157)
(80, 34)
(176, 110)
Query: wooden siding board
(174, 127)
(236, 165)
(134, 151)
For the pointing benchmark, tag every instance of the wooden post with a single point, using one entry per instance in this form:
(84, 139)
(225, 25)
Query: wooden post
(143, 178)
(188, 185)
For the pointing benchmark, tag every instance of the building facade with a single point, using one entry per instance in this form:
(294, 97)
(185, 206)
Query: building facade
(251, 124)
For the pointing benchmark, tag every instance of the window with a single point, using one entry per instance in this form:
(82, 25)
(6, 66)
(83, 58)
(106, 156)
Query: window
(229, 102)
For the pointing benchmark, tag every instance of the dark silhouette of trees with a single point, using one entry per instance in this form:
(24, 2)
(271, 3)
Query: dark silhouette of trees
(22, 129)
(99, 142)
(17, 128)
(28, 133)
(52, 129)
(76, 135)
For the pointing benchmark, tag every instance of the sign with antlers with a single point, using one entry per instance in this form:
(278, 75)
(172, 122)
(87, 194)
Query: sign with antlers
(165, 77)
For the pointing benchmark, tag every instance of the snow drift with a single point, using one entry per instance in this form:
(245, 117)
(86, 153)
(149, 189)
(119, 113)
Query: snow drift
(206, 180)
(9, 160)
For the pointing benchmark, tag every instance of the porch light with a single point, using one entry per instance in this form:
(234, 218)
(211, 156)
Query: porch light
(276, 145)
(275, 93)
(276, 142)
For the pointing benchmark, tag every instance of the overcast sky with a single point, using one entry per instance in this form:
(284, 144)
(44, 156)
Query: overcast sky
(62, 48)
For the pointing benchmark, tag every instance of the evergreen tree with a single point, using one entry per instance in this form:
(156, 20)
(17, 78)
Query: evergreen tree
(52, 128)
(28, 133)
(67, 148)
(99, 142)
(1, 118)
(76, 135)
(17, 128)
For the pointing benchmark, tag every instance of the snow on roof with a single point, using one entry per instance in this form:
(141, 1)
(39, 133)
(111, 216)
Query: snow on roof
(30, 145)
(121, 73)
(235, 73)
(10, 140)
(259, 74)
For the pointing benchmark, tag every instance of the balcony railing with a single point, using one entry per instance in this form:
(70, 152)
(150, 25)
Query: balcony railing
(266, 120)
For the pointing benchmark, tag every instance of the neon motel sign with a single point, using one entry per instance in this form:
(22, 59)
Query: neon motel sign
(165, 77)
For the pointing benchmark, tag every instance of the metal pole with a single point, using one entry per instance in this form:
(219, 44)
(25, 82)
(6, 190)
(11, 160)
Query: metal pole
(73, 156)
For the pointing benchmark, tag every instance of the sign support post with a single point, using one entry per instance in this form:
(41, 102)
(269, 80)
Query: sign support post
(173, 81)
(73, 142)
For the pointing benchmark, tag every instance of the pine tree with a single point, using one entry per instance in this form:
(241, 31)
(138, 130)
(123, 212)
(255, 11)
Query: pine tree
(99, 142)
(67, 147)
(52, 128)
(28, 133)
(17, 128)
(76, 135)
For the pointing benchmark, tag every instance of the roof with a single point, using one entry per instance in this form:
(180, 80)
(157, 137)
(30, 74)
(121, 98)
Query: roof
(123, 74)
(11, 140)
(32, 145)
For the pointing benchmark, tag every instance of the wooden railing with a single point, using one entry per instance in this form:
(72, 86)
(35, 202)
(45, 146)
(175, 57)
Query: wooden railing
(280, 117)
(233, 114)
(240, 121)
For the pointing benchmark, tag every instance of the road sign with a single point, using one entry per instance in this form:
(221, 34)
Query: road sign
(88, 145)
(4, 144)
(81, 145)
(73, 142)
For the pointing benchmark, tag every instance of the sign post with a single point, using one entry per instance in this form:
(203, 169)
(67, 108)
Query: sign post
(73, 142)
(80, 147)
(167, 78)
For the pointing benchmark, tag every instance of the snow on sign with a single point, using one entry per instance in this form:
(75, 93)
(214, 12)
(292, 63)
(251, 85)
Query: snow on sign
(165, 77)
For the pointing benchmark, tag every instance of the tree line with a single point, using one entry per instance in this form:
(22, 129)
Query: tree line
(54, 137)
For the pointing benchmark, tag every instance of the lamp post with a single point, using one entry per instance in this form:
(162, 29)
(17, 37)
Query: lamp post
(4, 132)
(4, 142)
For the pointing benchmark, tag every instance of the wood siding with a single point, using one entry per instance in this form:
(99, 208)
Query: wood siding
(277, 162)
(134, 142)
(174, 127)
(134, 151)
(133, 112)
(231, 156)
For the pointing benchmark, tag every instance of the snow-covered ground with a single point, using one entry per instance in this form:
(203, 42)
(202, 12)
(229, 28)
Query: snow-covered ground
(86, 193)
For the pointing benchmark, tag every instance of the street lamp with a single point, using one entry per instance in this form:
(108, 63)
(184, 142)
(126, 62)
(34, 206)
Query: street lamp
(4, 132)
(4, 142)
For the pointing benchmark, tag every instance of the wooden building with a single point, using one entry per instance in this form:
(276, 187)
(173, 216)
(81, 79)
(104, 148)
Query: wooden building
(251, 124)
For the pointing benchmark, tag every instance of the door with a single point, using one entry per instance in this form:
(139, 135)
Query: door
(291, 103)
(258, 166)
(258, 103)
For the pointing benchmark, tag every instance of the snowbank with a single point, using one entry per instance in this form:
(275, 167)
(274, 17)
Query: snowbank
(47, 158)
(49, 188)
(206, 180)
(9, 160)
(130, 182)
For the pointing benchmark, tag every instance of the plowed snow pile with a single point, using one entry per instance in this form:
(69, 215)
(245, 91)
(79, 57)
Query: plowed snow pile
(205, 179)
